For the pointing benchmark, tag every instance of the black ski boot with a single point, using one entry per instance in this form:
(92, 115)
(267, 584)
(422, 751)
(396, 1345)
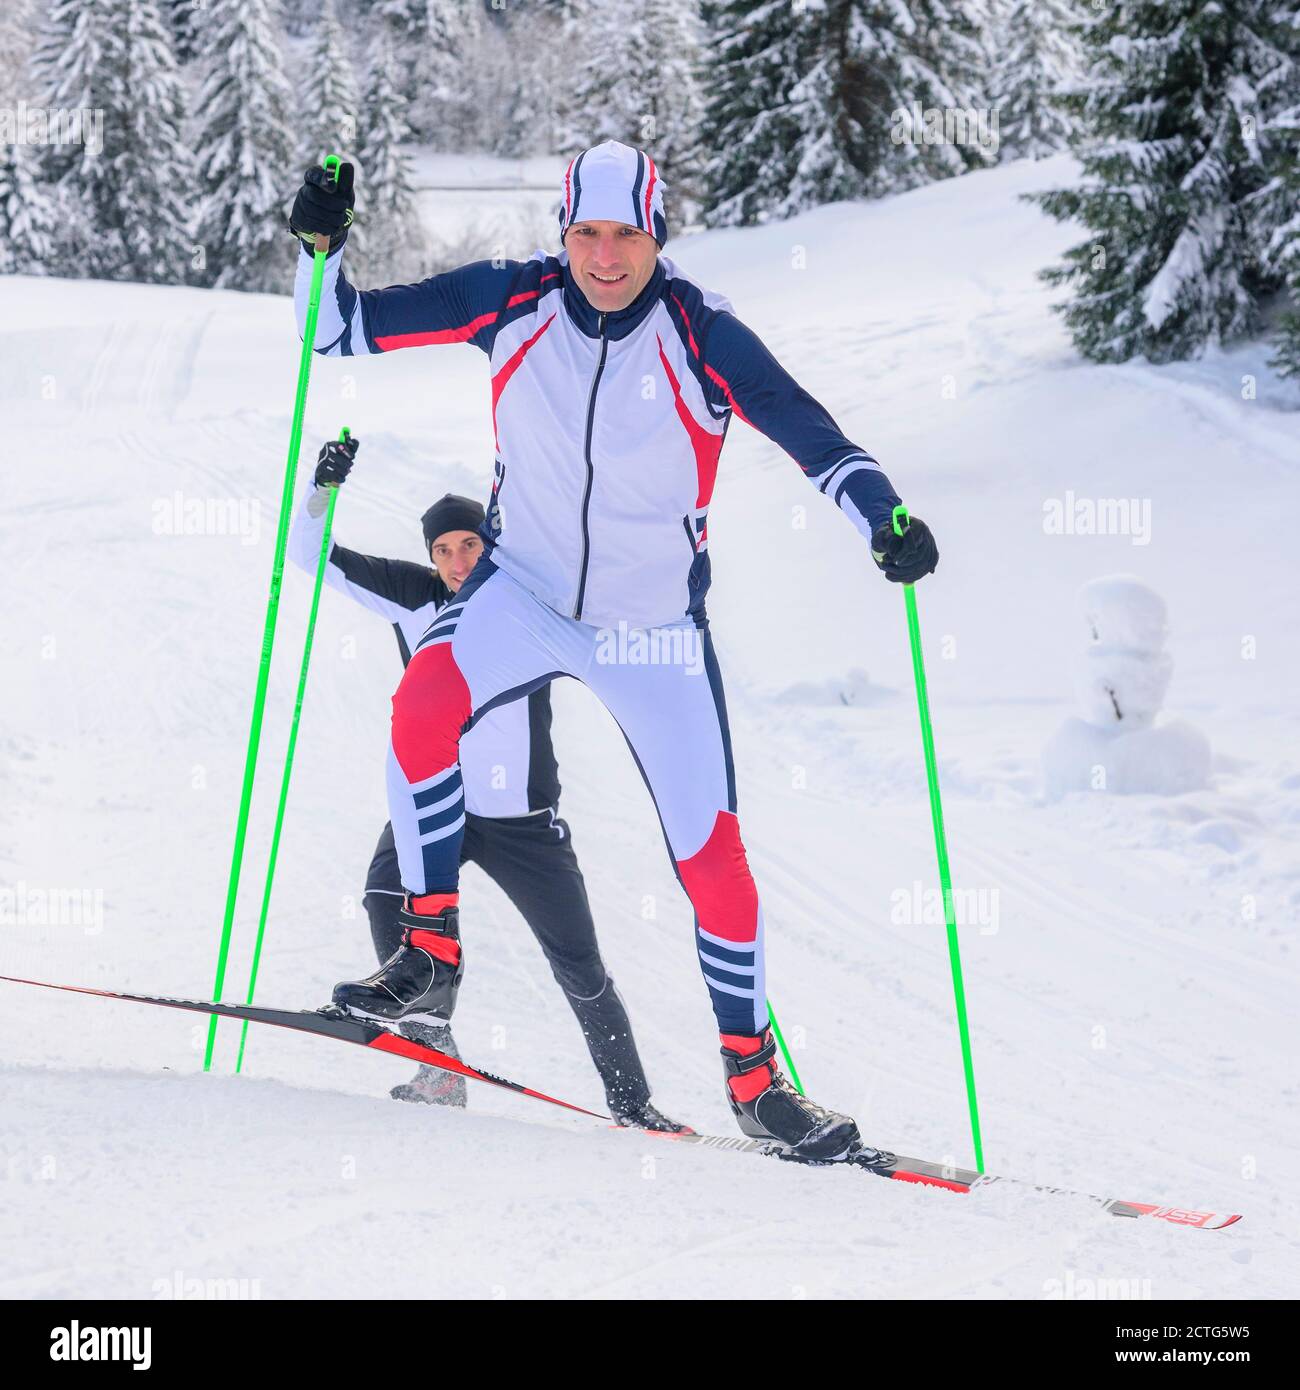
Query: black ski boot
(608, 1034)
(766, 1106)
(432, 1085)
(417, 982)
(645, 1116)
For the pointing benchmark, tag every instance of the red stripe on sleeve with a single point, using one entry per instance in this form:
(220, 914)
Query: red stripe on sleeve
(461, 334)
(726, 391)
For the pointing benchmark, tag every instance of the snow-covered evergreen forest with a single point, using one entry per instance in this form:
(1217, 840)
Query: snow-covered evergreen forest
(1185, 115)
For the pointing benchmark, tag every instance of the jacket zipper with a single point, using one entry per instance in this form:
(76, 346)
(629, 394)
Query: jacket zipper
(591, 472)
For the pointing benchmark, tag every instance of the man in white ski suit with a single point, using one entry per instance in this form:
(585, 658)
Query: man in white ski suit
(614, 380)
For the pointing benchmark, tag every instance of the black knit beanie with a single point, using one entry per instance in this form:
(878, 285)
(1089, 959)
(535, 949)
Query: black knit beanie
(451, 513)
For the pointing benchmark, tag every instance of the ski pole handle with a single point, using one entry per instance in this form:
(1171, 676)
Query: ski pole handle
(900, 520)
(330, 164)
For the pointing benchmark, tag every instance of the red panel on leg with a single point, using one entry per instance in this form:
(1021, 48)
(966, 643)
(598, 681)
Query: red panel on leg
(719, 884)
(430, 708)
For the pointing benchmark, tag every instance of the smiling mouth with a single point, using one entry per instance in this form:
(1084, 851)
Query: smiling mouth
(607, 279)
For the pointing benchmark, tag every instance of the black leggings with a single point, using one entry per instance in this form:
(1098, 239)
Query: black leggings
(532, 859)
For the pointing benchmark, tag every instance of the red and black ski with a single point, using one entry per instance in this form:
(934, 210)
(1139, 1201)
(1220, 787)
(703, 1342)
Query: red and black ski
(331, 1023)
(952, 1179)
(325, 1023)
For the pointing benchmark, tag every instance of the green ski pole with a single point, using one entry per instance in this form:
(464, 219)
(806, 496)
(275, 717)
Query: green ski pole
(331, 164)
(785, 1051)
(941, 846)
(288, 759)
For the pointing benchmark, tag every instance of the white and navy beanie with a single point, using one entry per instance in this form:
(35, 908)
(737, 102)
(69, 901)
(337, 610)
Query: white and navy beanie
(614, 183)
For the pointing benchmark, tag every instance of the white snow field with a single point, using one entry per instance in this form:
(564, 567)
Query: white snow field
(1130, 960)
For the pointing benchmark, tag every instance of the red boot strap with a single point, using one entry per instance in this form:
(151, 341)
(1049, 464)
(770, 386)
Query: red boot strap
(444, 948)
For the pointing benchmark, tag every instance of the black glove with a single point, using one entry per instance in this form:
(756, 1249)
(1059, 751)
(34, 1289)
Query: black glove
(323, 206)
(335, 461)
(906, 558)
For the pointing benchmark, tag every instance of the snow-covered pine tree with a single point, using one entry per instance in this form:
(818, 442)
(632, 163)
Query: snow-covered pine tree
(748, 135)
(918, 77)
(329, 100)
(28, 209)
(407, 23)
(1178, 105)
(116, 56)
(635, 79)
(1282, 248)
(243, 141)
(532, 56)
(181, 16)
(448, 105)
(837, 139)
(297, 16)
(635, 76)
(830, 99)
(387, 241)
(28, 216)
(1036, 53)
(17, 22)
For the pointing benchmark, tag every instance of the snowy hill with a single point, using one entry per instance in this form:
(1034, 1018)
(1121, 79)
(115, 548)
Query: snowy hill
(1131, 971)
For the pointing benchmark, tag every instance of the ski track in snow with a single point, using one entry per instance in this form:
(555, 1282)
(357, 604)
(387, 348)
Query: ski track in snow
(1133, 1028)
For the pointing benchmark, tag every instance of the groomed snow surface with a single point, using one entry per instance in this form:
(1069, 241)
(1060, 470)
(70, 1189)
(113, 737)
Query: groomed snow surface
(1130, 960)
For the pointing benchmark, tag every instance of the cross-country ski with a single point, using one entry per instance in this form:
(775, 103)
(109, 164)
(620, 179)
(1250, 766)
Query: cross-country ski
(333, 1023)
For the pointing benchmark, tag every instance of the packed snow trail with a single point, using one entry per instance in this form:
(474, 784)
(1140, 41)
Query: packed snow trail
(1131, 1021)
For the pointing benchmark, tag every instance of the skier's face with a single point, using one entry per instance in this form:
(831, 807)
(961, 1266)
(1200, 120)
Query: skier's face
(454, 554)
(611, 261)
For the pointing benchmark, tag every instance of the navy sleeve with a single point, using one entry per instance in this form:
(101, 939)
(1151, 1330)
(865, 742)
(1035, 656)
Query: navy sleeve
(756, 387)
(458, 306)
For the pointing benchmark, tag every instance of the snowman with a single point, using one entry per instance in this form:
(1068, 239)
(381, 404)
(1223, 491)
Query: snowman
(1118, 743)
